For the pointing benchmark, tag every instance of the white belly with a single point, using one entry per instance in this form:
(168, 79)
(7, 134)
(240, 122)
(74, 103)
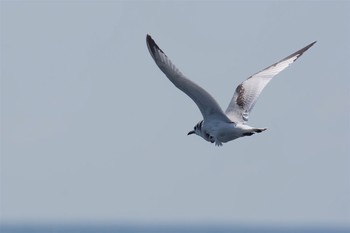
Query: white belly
(225, 132)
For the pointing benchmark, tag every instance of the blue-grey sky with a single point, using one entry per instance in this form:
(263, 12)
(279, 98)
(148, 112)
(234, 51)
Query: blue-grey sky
(93, 131)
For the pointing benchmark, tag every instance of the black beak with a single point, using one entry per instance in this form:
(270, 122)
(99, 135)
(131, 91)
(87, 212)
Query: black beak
(191, 132)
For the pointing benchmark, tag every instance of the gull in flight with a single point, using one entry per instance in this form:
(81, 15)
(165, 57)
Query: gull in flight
(219, 126)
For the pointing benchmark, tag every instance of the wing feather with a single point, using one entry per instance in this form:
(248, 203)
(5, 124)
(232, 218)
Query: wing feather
(247, 92)
(205, 102)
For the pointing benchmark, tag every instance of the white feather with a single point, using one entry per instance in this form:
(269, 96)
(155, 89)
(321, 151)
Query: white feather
(218, 126)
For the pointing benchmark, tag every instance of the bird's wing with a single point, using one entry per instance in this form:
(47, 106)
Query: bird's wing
(205, 102)
(247, 92)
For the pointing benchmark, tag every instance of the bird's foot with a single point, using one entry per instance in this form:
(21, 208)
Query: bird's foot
(218, 143)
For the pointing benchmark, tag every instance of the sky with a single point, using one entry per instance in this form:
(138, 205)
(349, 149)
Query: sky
(92, 130)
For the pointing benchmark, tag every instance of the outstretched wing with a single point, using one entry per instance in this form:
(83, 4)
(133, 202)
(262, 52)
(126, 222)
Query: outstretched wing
(247, 92)
(205, 102)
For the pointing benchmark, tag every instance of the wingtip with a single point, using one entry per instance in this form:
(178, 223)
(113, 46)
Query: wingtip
(148, 38)
(312, 44)
(308, 46)
(303, 50)
(152, 45)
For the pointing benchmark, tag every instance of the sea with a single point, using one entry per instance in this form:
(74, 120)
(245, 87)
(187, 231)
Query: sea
(163, 229)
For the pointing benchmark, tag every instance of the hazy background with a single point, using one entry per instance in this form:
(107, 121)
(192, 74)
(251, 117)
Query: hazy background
(92, 131)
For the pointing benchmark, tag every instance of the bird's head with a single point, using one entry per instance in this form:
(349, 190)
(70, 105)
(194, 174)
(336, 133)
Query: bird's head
(198, 130)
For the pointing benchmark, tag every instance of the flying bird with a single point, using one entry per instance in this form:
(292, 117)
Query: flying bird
(219, 126)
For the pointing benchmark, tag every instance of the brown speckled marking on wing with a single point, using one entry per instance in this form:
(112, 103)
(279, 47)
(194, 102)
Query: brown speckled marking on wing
(240, 97)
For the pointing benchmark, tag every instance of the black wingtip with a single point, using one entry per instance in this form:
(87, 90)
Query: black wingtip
(148, 37)
(307, 47)
(149, 40)
(152, 44)
(300, 52)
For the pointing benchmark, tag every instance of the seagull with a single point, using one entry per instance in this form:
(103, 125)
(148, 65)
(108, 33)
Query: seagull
(219, 126)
